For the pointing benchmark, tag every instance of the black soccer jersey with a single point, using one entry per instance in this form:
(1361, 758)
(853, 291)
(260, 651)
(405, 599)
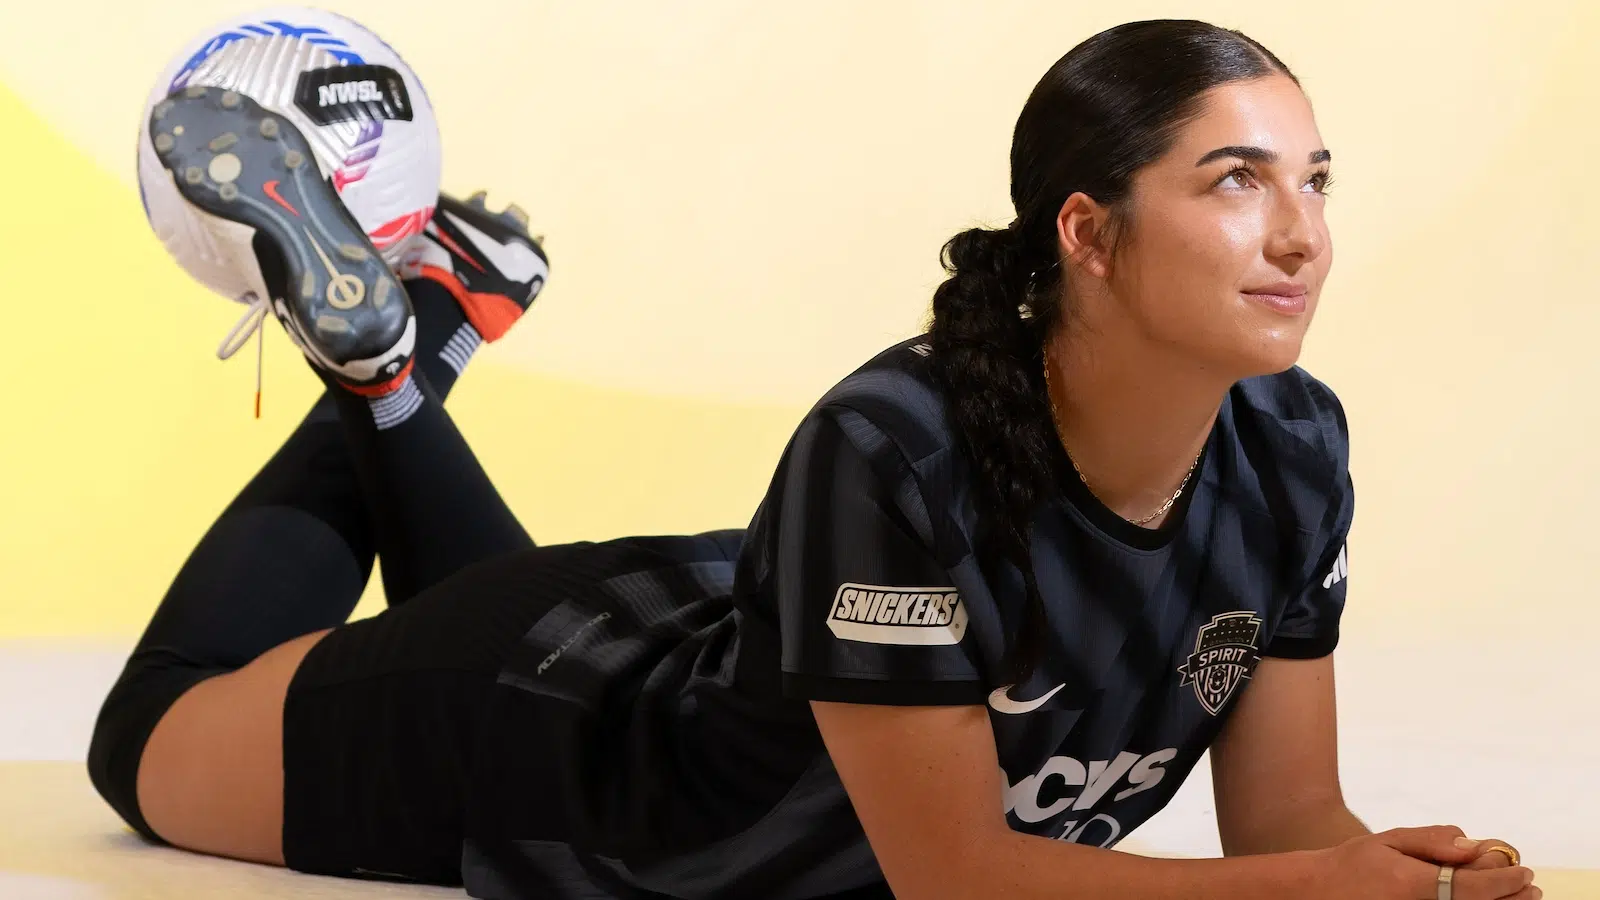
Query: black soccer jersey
(656, 737)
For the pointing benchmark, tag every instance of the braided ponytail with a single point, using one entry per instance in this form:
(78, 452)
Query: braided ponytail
(987, 356)
(1108, 108)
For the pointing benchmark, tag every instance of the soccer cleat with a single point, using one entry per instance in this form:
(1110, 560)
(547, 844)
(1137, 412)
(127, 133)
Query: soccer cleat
(487, 261)
(333, 291)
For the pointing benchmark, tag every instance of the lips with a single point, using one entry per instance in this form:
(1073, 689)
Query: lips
(1285, 297)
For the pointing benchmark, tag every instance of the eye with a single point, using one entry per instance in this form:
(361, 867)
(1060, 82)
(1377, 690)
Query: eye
(1240, 176)
(1320, 182)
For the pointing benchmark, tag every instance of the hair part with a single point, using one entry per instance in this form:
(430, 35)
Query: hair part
(1111, 106)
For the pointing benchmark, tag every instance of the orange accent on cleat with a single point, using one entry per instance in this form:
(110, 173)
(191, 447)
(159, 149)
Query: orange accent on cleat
(271, 190)
(388, 387)
(491, 314)
(446, 278)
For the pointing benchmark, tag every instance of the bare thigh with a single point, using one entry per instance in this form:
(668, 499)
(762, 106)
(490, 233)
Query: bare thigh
(211, 777)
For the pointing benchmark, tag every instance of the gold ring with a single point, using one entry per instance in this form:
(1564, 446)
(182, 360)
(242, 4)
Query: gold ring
(1510, 852)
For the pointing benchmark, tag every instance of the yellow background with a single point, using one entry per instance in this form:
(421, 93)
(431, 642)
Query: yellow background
(744, 200)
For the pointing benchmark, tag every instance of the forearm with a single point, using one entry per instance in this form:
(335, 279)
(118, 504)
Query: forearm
(1032, 868)
(1308, 827)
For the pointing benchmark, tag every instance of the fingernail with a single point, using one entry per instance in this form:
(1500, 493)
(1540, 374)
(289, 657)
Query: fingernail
(1466, 843)
(1527, 878)
(1537, 894)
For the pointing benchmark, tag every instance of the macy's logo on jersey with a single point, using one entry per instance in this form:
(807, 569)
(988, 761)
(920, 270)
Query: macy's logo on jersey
(1060, 775)
(897, 615)
(349, 92)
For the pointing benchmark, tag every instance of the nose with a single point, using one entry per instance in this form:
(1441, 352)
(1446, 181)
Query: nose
(1297, 234)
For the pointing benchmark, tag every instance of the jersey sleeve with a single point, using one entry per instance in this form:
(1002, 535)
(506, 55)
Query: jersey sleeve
(1309, 628)
(867, 613)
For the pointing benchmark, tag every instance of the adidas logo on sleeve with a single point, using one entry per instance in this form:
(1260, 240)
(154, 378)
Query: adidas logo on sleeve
(1340, 571)
(897, 615)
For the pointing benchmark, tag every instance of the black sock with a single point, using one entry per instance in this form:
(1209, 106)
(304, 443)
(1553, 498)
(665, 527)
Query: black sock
(445, 340)
(306, 498)
(292, 553)
(434, 510)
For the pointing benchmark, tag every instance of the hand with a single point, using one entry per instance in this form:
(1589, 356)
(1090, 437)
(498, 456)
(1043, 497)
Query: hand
(1403, 864)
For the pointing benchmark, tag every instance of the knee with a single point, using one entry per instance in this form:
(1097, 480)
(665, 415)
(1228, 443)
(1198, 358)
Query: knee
(151, 682)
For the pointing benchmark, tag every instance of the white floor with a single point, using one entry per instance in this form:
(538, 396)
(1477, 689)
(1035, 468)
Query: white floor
(1495, 739)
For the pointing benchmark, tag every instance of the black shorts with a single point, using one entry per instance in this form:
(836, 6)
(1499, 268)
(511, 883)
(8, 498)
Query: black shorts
(381, 722)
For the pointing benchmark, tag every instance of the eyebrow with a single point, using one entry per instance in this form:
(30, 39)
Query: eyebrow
(1258, 154)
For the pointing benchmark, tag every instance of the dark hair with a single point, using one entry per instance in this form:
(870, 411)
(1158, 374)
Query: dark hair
(1108, 108)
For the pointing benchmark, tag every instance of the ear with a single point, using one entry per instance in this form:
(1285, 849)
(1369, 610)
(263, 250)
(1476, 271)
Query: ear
(1080, 232)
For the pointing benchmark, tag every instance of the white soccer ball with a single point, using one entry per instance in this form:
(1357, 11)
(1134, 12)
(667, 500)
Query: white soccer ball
(385, 166)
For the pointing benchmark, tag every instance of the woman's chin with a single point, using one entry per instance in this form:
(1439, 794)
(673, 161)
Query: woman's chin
(1266, 354)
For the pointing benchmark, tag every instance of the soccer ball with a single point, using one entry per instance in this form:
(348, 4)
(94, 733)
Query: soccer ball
(380, 152)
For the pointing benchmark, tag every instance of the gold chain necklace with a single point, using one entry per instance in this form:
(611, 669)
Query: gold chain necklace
(1056, 421)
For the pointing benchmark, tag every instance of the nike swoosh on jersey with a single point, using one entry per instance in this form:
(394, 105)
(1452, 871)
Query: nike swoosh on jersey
(1010, 707)
(515, 260)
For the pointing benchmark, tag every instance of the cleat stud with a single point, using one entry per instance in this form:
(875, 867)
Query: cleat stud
(225, 167)
(332, 325)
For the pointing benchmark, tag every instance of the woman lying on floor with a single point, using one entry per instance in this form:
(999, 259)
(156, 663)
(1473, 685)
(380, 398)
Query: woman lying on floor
(1011, 579)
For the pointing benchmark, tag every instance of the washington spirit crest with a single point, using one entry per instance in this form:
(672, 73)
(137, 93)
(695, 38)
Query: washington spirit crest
(1224, 656)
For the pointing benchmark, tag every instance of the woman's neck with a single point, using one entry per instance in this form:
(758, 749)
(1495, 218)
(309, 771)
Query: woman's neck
(1133, 421)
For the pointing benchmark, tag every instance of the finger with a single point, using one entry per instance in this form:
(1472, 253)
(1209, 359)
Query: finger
(1435, 843)
(1487, 858)
(1492, 884)
(1492, 859)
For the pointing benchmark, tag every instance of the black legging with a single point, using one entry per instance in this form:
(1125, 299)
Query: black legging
(292, 553)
